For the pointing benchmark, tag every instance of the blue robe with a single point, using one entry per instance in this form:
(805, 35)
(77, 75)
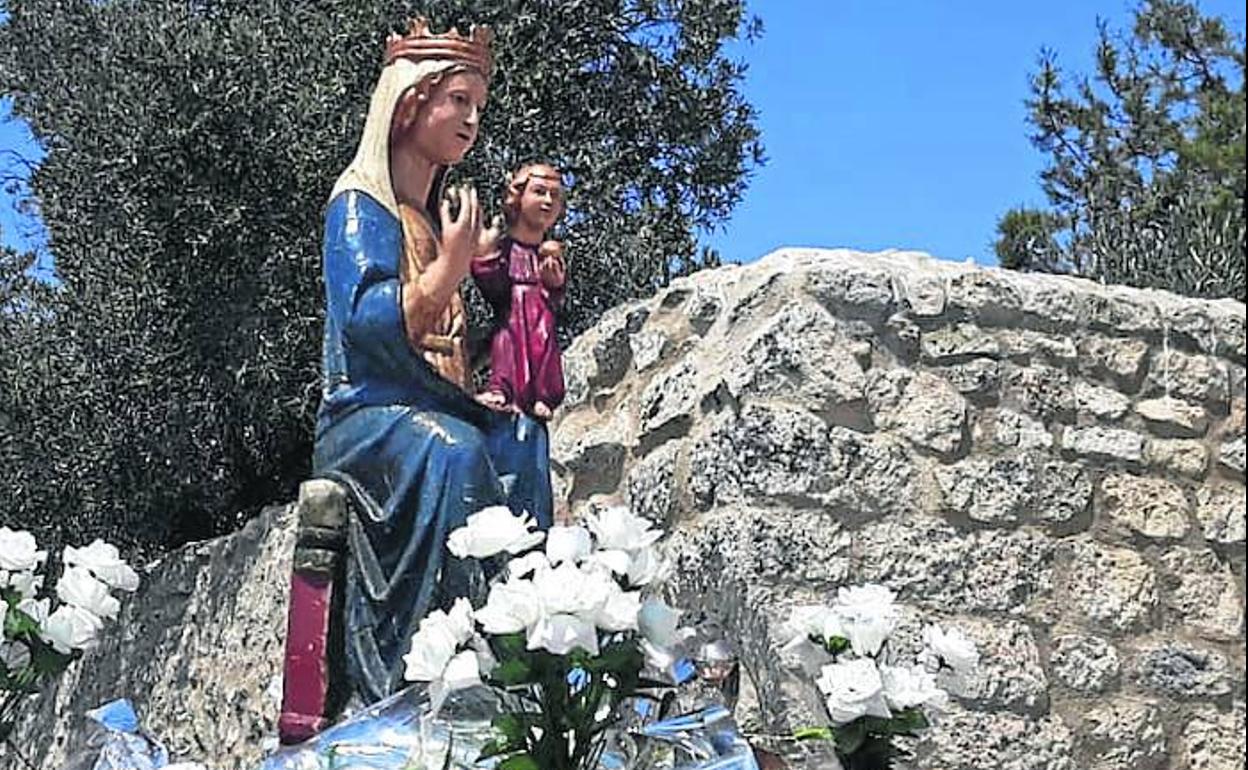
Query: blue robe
(416, 452)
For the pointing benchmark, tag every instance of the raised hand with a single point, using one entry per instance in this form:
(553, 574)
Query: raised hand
(487, 243)
(553, 272)
(461, 233)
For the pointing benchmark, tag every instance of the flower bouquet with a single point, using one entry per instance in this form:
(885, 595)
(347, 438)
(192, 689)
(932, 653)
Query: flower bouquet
(562, 638)
(870, 697)
(38, 642)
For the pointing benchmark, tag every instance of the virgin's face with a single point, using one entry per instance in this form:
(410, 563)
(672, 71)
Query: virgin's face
(447, 124)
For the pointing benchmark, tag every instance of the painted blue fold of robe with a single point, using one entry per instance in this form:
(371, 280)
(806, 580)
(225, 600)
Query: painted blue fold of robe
(418, 454)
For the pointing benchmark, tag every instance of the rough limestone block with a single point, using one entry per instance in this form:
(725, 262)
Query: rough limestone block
(1089, 665)
(1174, 418)
(1029, 487)
(1179, 456)
(1195, 378)
(1118, 358)
(1231, 456)
(954, 344)
(1123, 735)
(1181, 670)
(648, 347)
(1152, 508)
(1097, 443)
(1203, 592)
(1041, 391)
(932, 416)
(1213, 740)
(1102, 403)
(1112, 589)
(1220, 511)
(652, 491)
(978, 378)
(1009, 676)
(976, 740)
(1014, 429)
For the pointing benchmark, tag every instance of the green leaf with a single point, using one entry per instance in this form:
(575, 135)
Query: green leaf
(512, 672)
(814, 734)
(850, 737)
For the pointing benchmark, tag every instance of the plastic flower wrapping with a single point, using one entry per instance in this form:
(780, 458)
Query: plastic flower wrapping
(870, 696)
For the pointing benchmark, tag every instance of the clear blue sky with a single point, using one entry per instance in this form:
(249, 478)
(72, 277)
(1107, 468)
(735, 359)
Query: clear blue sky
(887, 123)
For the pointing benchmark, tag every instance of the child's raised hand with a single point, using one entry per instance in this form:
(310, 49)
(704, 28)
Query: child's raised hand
(487, 243)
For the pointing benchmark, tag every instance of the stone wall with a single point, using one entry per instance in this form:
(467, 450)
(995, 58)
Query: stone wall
(197, 649)
(1054, 465)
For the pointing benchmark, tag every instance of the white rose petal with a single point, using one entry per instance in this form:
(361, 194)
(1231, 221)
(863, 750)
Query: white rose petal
(36, 609)
(853, 689)
(953, 648)
(492, 531)
(569, 590)
(568, 544)
(618, 529)
(617, 562)
(462, 671)
(105, 562)
(79, 588)
(71, 628)
(512, 607)
(531, 562)
(27, 584)
(868, 614)
(620, 611)
(911, 687)
(18, 551)
(433, 646)
(560, 634)
(460, 620)
(646, 566)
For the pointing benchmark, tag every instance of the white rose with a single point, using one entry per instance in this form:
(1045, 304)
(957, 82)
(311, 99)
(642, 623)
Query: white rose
(620, 611)
(79, 588)
(618, 529)
(911, 687)
(512, 607)
(646, 566)
(528, 564)
(18, 551)
(71, 628)
(567, 589)
(27, 584)
(560, 634)
(853, 689)
(104, 561)
(568, 544)
(616, 561)
(433, 646)
(868, 614)
(36, 609)
(953, 648)
(492, 531)
(462, 671)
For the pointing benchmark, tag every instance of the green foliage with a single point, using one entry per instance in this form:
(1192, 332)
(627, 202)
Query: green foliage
(166, 387)
(559, 697)
(1146, 174)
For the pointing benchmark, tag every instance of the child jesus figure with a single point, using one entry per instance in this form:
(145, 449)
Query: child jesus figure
(523, 280)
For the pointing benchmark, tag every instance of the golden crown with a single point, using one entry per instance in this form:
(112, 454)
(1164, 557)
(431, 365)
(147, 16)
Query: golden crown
(420, 44)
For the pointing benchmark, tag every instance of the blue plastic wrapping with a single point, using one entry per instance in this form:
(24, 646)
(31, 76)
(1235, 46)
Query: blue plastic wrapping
(116, 743)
